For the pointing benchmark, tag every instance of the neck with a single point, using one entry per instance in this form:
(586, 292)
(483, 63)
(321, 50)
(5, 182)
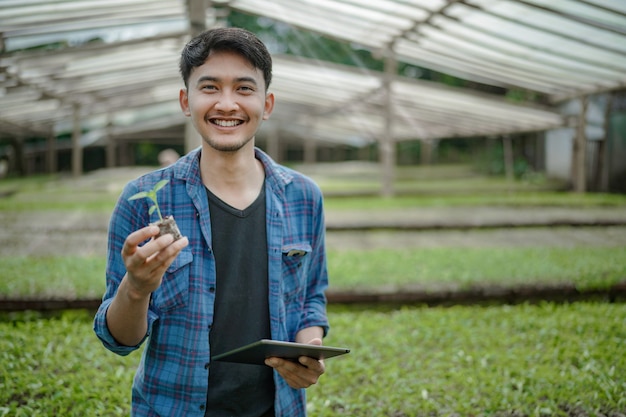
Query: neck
(235, 177)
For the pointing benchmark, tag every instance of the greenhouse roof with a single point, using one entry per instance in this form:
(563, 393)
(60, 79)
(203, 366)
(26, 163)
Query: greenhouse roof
(113, 65)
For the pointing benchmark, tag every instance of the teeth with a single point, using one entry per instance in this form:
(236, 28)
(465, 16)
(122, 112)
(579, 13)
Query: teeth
(227, 123)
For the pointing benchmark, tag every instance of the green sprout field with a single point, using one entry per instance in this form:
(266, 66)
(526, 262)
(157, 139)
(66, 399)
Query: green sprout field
(524, 360)
(529, 359)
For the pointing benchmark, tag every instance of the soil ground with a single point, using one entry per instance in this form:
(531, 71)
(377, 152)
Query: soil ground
(84, 232)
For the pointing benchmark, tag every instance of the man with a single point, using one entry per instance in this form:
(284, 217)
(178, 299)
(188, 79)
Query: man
(252, 263)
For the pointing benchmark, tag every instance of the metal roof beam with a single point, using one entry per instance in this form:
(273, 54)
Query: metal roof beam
(528, 24)
(580, 19)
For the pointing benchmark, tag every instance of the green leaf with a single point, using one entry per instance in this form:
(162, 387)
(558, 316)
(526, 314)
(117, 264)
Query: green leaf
(151, 209)
(160, 185)
(142, 194)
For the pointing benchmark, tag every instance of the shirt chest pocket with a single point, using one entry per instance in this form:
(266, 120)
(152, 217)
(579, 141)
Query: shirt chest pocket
(296, 260)
(174, 290)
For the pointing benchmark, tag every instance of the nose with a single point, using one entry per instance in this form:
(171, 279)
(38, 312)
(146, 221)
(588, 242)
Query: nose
(227, 102)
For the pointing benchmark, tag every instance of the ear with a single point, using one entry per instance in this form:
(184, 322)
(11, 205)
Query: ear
(183, 99)
(269, 105)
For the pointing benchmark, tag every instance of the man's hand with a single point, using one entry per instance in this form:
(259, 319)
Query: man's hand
(146, 265)
(302, 374)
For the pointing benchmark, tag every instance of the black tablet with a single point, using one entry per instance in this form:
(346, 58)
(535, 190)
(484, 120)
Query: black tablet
(256, 353)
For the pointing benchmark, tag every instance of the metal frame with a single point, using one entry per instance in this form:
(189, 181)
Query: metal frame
(127, 81)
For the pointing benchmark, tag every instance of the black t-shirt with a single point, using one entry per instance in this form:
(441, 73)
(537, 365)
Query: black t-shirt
(241, 314)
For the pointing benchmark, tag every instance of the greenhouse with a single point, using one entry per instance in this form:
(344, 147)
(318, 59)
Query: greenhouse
(105, 73)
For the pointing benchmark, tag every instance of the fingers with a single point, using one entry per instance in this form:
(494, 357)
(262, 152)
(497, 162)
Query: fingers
(316, 341)
(312, 364)
(132, 253)
(134, 239)
(306, 371)
(146, 265)
(164, 246)
(301, 374)
(148, 253)
(165, 251)
(160, 248)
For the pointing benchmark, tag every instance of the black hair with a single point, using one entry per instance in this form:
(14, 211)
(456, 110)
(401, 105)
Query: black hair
(238, 40)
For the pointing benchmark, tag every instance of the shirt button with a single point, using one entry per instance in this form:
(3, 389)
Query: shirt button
(212, 290)
(202, 406)
(206, 365)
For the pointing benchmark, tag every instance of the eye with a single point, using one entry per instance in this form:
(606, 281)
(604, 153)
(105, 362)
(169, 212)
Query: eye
(208, 87)
(246, 89)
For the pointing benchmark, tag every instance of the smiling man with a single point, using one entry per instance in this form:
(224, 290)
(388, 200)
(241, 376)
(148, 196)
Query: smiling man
(252, 264)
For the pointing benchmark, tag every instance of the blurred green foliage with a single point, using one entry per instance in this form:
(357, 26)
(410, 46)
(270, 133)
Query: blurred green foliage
(526, 360)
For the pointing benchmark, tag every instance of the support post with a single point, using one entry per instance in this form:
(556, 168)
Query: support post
(77, 151)
(427, 149)
(197, 16)
(51, 153)
(310, 151)
(19, 160)
(387, 144)
(310, 145)
(603, 151)
(507, 147)
(197, 24)
(111, 146)
(273, 143)
(192, 137)
(579, 155)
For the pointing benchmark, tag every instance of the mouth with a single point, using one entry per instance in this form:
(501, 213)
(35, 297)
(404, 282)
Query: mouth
(226, 122)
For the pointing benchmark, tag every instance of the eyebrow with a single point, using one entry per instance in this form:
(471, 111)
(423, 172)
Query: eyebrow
(216, 79)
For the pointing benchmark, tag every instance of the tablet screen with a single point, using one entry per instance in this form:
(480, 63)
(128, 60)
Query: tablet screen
(256, 353)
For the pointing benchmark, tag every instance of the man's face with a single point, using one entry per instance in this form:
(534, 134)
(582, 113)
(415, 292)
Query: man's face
(227, 101)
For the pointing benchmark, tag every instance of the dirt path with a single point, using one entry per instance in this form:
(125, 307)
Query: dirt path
(84, 233)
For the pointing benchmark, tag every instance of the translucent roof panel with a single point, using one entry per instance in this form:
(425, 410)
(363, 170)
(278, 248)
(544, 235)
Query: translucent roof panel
(114, 64)
(354, 100)
(563, 48)
(86, 58)
(372, 24)
(30, 23)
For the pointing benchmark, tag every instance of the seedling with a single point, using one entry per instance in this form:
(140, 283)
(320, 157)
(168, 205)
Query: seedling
(166, 224)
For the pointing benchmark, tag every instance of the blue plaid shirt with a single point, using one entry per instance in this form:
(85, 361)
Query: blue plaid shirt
(172, 377)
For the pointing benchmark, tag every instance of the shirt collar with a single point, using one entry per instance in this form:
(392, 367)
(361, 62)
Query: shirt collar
(273, 171)
(188, 168)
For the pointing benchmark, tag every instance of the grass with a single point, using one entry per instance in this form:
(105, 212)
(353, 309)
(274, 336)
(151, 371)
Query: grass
(96, 191)
(524, 360)
(53, 277)
(436, 268)
(533, 360)
(425, 268)
(476, 199)
(56, 367)
(451, 186)
(502, 361)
